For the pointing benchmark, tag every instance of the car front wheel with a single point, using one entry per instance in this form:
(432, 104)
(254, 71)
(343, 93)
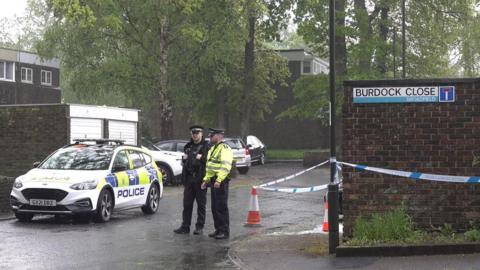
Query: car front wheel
(167, 175)
(153, 200)
(104, 206)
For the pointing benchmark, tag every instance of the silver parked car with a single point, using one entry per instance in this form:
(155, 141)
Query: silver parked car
(241, 154)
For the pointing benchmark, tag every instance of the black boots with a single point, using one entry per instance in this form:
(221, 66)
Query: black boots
(186, 230)
(221, 236)
(198, 231)
(182, 230)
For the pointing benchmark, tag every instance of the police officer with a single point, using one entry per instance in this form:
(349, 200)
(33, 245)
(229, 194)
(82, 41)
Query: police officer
(194, 159)
(219, 164)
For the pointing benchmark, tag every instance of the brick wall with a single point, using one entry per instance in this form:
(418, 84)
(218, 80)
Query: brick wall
(439, 138)
(29, 133)
(5, 189)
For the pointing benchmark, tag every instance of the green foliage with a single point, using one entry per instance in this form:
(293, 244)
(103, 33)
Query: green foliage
(441, 36)
(21, 33)
(285, 153)
(472, 235)
(311, 94)
(189, 53)
(447, 230)
(394, 226)
(442, 40)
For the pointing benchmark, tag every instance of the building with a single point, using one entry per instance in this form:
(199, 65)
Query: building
(303, 62)
(27, 79)
(293, 133)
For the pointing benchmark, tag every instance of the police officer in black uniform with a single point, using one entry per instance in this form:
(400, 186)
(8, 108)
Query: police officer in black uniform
(194, 159)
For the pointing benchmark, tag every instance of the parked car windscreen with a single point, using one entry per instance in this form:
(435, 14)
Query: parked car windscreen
(166, 146)
(236, 144)
(180, 146)
(79, 157)
(149, 145)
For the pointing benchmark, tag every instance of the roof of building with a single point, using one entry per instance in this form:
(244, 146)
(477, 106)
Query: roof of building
(299, 54)
(20, 56)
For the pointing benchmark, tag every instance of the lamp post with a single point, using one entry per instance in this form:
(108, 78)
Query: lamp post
(332, 195)
(404, 43)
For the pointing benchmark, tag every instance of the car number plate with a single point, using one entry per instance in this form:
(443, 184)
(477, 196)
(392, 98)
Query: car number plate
(39, 202)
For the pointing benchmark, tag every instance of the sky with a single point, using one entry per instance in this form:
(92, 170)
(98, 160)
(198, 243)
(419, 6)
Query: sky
(10, 8)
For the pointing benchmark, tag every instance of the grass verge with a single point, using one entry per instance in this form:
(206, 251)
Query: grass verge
(396, 228)
(285, 153)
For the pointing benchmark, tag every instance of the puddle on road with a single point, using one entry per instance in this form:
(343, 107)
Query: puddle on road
(191, 260)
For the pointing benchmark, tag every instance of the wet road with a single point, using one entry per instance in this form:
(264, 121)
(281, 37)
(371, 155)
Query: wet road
(132, 240)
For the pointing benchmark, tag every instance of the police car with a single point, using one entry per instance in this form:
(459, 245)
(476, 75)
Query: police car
(89, 178)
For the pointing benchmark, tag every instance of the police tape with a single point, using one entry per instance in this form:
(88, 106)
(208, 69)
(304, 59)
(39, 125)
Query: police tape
(283, 179)
(297, 189)
(417, 175)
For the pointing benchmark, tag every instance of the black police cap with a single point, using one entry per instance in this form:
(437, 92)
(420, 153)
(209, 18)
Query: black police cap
(196, 128)
(213, 131)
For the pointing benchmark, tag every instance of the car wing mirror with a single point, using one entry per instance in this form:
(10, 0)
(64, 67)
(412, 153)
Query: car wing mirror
(36, 164)
(119, 168)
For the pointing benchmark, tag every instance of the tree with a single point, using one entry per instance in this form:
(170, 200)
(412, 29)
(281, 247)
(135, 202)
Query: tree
(154, 54)
(22, 32)
(232, 76)
(312, 96)
(125, 43)
(436, 31)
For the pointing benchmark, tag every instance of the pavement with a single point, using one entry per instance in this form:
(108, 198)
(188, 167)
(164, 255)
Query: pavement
(310, 251)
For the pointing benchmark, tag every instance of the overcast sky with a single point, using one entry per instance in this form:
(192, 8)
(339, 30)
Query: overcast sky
(10, 8)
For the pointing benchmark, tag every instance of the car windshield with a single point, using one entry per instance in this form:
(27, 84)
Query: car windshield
(236, 144)
(79, 157)
(149, 145)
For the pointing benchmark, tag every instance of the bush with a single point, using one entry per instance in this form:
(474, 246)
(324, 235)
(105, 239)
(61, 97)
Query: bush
(395, 226)
(472, 235)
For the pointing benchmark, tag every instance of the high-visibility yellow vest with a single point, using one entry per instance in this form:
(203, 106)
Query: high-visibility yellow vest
(219, 162)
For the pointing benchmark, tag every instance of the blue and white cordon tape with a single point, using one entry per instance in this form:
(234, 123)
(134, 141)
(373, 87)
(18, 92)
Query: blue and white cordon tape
(293, 190)
(417, 175)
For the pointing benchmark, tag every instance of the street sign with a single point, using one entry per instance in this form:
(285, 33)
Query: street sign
(411, 94)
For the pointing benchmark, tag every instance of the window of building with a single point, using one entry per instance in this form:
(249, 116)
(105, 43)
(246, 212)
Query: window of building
(307, 67)
(46, 77)
(7, 71)
(27, 75)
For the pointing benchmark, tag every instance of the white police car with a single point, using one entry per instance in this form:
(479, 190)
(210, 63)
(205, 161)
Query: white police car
(89, 178)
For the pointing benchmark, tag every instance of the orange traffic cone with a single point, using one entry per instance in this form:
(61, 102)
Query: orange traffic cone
(253, 218)
(325, 216)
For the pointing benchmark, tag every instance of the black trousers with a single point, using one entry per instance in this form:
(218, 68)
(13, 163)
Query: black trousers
(192, 191)
(221, 218)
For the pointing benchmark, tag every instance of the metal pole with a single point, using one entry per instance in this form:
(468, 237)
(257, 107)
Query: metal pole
(333, 239)
(394, 52)
(403, 39)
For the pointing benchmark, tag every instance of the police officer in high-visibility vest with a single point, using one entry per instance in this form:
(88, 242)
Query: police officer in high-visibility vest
(193, 160)
(219, 164)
